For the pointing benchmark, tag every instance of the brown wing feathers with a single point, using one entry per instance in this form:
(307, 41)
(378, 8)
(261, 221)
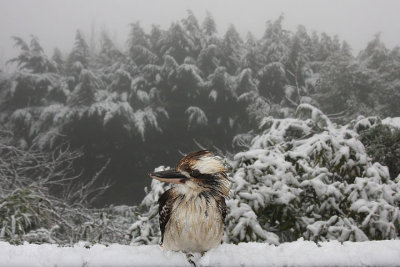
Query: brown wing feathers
(164, 210)
(221, 207)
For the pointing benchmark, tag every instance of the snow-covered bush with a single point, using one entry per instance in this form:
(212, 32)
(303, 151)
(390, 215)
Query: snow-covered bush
(23, 210)
(313, 179)
(146, 229)
(382, 143)
(43, 200)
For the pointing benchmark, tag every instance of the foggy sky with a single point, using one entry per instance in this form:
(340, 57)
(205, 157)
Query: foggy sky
(55, 22)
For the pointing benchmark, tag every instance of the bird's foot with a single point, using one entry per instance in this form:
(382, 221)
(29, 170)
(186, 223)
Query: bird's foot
(189, 257)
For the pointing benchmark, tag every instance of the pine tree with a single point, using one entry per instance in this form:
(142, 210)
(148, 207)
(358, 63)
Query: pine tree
(297, 68)
(375, 53)
(58, 60)
(155, 37)
(139, 46)
(385, 65)
(209, 27)
(80, 53)
(252, 58)
(346, 86)
(232, 46)
(272, 79)
(108, 54)
(208, 59)
(327, 47)
(346, 49)
(137, 36)
(178, 44)
(274, 43)
(32, 57)
(34, 78)
(191, 25)
(247, 96)
(84, 92)
(222, 105)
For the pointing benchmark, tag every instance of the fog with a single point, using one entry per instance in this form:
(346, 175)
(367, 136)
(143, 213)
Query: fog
(289, 134)
(54, 22)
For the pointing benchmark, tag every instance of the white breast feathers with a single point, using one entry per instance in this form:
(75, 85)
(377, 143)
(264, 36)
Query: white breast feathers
(195, 225)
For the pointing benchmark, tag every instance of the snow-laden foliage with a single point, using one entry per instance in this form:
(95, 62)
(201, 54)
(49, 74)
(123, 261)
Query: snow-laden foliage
(382, 142)
(46, 127)
(32, 56)
(313, 179)
(299, 178)
(21, 210)
(84, 92)
(173, 89)
(196, 117)
(146, 229)
(29, 182)
(188, 78)
(143, 119)
(43, 201)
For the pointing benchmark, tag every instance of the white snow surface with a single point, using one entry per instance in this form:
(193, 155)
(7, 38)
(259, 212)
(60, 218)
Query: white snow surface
(392, 121)
(299, 253)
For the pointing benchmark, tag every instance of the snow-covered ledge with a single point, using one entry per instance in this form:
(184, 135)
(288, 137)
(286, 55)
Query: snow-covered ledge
(300, 253)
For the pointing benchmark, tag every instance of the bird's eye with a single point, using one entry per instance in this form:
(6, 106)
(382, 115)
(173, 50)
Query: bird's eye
(195, 173)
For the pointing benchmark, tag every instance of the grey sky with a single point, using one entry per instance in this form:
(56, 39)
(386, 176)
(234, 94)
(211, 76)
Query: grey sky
(54, 22)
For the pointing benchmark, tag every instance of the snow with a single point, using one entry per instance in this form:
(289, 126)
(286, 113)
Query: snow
(299, 253)
(392, 121)
(196, 117)
(310, 178)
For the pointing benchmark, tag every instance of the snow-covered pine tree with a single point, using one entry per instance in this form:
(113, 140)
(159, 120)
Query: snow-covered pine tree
(383, 66)
(346, 86)
(79, 53)
(109, 54)
(32, 57)
(252, 58)
(274, 44)
(35, 77)
(155, 37)
(297, 68)
(247, 98)
(138, 46)
(58, 60)
(178, 44)
(191, 25)
(375, 54)
(232, 49)
(208, 60)
(209, 27)
(272, 79)
(84, 92)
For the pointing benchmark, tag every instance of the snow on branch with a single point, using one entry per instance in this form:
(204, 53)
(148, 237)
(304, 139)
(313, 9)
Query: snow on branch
(196, 117)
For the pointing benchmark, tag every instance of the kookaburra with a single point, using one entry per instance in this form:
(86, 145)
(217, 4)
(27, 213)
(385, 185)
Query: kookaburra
(192, 213)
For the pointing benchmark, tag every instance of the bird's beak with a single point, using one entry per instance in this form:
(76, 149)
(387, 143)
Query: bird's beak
(169, 176)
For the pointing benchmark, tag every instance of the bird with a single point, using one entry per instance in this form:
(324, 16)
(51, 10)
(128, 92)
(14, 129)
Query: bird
(192, 213)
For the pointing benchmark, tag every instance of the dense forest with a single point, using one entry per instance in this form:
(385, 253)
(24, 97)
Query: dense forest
(103, 118)
(184, 87)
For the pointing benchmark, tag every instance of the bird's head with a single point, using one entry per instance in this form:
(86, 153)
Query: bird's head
(198, 171)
